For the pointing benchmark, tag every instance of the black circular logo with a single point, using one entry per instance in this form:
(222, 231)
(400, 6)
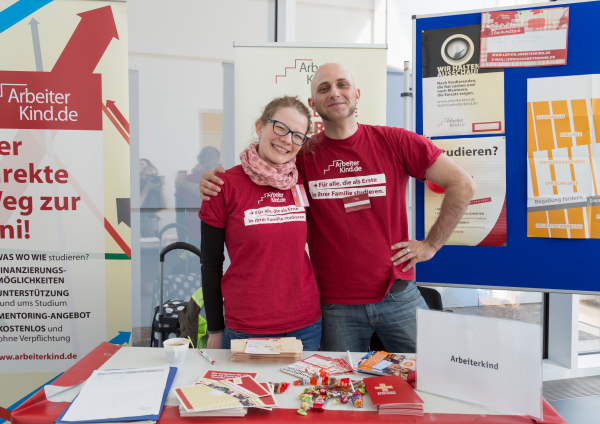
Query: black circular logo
(457, 49)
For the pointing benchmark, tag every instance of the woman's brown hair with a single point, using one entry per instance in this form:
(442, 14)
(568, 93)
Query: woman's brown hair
(281, 102)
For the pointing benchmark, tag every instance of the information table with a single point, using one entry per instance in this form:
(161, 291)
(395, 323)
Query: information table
(39, 410)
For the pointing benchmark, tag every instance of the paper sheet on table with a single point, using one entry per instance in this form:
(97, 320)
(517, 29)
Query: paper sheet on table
(263, 346)
(120, 394)
(61, 393)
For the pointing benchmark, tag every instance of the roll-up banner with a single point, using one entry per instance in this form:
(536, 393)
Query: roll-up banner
(271, 70)
(65, 283)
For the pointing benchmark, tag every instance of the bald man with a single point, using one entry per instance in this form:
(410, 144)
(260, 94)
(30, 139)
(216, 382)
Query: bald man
(356, 176)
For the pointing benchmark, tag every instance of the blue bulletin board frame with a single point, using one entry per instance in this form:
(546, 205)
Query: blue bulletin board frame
(525, 263)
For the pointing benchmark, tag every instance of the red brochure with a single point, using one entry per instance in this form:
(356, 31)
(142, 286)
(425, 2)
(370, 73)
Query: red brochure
(392, 390)
(224, 375)
(248, 383)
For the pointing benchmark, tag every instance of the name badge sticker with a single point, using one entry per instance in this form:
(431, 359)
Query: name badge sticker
(357, 202)
(299, 194)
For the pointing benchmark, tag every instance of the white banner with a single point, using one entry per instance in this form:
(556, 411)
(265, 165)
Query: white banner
(64, 172)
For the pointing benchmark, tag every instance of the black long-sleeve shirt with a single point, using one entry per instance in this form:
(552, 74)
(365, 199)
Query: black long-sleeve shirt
(212, 248)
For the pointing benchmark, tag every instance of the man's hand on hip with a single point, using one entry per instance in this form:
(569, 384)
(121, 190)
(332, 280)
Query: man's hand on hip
(412, 252)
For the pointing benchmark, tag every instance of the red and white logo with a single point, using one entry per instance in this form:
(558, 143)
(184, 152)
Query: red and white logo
(273, 196)
(45, 100)
(344, 166)
(304, 67)
(384, 387)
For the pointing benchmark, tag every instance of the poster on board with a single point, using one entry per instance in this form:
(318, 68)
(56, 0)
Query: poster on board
(459, 98)
(64, 178)
(534, 37)
(265, 72)
(484, 222)
(563, 157)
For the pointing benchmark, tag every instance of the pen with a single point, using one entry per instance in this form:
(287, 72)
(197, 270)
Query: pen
(350, 360)
(206, 356)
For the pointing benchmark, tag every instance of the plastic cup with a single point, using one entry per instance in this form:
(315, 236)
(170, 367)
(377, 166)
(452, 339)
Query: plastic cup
(176, 349)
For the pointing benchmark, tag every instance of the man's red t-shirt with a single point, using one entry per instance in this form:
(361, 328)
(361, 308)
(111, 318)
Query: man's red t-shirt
(270, 285)
(351, 251)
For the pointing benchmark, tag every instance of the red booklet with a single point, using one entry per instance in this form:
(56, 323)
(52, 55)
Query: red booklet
(393, 394)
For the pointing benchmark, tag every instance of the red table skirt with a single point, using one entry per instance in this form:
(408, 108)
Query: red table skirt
(38, 410)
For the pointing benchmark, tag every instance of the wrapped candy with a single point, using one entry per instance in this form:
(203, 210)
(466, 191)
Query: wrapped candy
(357, 400)
(319, 404)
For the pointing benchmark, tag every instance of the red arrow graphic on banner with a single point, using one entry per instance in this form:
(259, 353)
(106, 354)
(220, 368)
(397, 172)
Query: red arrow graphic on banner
(111, 104)
(88, 42)
(117, 237)
(118, 126)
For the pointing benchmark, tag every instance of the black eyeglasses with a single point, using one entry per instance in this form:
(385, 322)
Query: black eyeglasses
(280, 128)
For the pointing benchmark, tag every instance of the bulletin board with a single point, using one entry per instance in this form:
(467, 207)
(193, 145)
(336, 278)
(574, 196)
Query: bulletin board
(523, 262)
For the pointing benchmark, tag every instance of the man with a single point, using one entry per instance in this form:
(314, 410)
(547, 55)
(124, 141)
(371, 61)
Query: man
(357, 175)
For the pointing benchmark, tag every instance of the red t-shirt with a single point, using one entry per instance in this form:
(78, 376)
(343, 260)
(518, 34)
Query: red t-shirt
(351, 251)
(270, 285)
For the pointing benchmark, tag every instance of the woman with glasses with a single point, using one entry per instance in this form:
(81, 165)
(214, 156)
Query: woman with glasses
(270, 288)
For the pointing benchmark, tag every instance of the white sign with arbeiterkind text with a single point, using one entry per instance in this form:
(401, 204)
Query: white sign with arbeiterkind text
(493, 362)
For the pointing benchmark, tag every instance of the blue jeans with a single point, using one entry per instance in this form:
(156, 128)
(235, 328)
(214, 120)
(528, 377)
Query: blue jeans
(310, 336)
(394, 319)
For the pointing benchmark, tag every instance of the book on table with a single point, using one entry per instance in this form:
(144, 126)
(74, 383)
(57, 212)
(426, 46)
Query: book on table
(313, 364)
(393, 395)
(246, 381)
(386, 363)
(283, 349)
(216, 398)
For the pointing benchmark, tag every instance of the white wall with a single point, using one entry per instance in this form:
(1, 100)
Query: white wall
(200, 28)
(178, 51)
(335, 21)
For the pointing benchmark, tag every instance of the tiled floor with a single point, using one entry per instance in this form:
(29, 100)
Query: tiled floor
(584, 410)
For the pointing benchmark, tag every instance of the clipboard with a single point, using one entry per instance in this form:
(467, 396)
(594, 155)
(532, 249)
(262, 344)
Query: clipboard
(105, 405)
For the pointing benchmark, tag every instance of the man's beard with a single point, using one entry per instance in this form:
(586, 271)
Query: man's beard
(324, 116)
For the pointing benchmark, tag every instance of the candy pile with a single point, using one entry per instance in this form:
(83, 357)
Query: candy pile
(342, 390)
(323, 379)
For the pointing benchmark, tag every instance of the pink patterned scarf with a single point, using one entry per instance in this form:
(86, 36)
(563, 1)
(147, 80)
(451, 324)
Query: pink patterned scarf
(282, 177)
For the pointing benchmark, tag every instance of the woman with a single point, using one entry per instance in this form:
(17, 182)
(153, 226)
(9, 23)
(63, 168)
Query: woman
(269, 289)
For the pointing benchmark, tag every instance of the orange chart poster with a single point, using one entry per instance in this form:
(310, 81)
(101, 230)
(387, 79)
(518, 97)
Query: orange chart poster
(563, 157)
